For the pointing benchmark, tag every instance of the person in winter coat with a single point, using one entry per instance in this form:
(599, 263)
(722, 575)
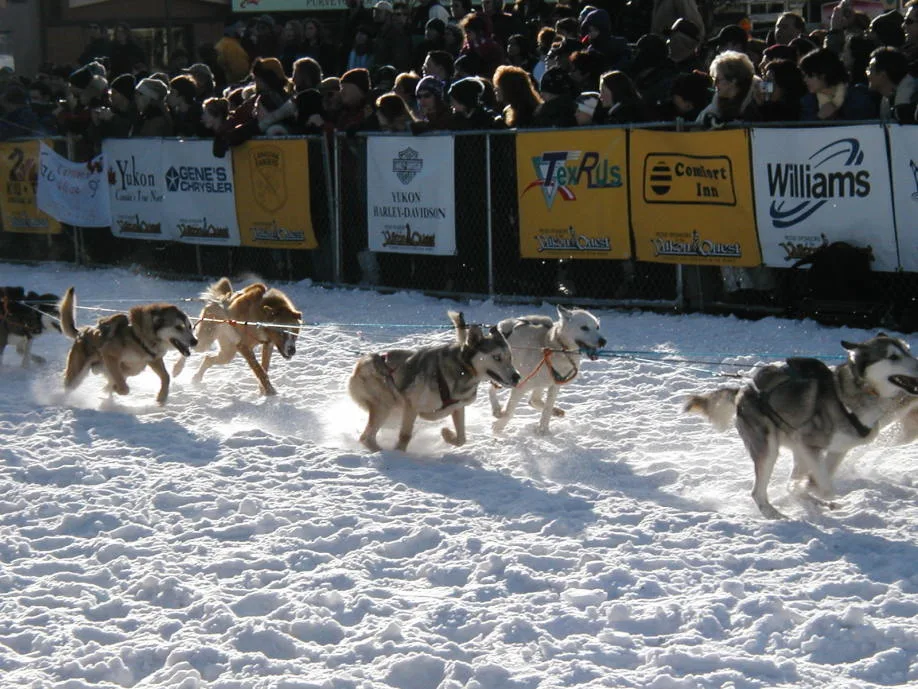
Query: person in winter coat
(830, 95)
(479, 42)
(516, 94)
(596, 31)
(153, 113)
(621, 101)
(469, 112)
(558, 107)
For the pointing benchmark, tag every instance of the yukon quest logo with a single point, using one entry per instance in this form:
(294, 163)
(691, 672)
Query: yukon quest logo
(688, 179)
(833, 172)
(407, 165)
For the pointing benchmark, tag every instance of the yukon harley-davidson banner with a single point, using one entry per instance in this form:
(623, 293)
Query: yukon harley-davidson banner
(411, 206)
(573, 194)
(19, 166)
(691, 198)
(818, 185)
(272, 194)
(199, 206)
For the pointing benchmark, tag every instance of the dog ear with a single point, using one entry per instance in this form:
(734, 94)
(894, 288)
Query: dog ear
(850, 346)
(563, 313)
(475, 336)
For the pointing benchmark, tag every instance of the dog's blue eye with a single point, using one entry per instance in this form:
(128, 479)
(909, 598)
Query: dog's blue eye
(584, 328)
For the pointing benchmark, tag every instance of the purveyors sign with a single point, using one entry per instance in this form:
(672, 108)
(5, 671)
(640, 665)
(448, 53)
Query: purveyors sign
(19, 165)
(819, 185)
(272, 194)
(411, 195)
(136, 188)
(691, 198)
(573, 194)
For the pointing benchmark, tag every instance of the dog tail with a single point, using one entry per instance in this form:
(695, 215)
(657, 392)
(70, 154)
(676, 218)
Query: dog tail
(217, 291)
(67, 308)
(718, 407)
(462, 329)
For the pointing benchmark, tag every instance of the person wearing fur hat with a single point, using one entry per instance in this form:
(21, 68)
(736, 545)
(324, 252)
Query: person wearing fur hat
(469, 112)
(153, 113)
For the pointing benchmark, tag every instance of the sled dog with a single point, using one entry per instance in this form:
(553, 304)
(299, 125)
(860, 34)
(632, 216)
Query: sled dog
(547, 354)
(240, 321)
(818, 412)
(432, 382)
(124, 344)
(23, 317)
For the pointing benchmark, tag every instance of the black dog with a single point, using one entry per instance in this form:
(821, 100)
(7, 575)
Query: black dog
(25, 316)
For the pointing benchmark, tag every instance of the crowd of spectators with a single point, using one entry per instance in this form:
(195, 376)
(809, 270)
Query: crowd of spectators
(428, 67)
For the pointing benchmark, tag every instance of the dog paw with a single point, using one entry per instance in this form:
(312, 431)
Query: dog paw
(770, 512)
(542, 430)
(269, 391)
(370, 444)
(451, 437)
(121, 389)
(500, 425)
(556, 411)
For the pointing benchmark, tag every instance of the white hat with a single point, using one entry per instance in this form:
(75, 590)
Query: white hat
(152, 88)
(383, 5)
(587, 102)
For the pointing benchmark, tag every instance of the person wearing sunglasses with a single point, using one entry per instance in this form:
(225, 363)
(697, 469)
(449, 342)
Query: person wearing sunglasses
(434, 112)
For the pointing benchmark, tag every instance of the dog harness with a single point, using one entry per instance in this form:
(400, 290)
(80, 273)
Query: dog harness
(555, 376)
(442, 384)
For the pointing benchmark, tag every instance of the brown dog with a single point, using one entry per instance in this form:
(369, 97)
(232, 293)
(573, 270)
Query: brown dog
(239, 322)
(124, 344)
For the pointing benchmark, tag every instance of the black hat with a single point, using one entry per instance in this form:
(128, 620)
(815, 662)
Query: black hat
(685, 26)
(467, 92)
(80, 78)
(557, 81)
(437, 25)
(124, 85)
(359, 77)
(731, 34)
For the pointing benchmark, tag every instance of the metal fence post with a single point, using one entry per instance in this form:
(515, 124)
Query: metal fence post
(488, 209)
(77, 232)
(335, 206)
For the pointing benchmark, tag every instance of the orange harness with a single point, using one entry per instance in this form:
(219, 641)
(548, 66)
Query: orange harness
(556, 377)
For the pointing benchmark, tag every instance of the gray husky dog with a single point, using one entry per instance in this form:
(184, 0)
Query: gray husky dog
(547, 354)
(431, 382)
(819, 412)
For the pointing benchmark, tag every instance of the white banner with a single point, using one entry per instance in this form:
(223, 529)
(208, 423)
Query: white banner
(411, 206)
(820, 185)
(72, 193)
(199, 205)
(903, 144)
(136, 188)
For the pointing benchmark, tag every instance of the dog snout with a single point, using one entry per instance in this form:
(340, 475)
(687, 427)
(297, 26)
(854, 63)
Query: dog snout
(515, 378)
(602, 342)
(193, 342)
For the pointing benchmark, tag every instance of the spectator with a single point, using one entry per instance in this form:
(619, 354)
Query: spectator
(515, 93)
(292, 44)
(789, 26)
(17, 119)
(383, 80)
(41, 100)
(886, 29)
(910, 30)
(691, 94)
(887, 74)
(204, 82)
(439, 64)
(153, 116)
(434, 114)
(777, 52)
(355, 105)
(596, 29)
(393, 114)
(503, 24)
(127, 57)
(479, 42)
(558, 107)
(307, 74)
(546, 37)
(855, 56)
(330, 88)
(457, 10)
(264, 40)
(586, 69)
(361, 55)
(393, 42)
(315, 46)
(466, 66)
(231, 55)
(118, 120)
(310, 113)
(666, 12)
(422, 14)
(587, 104)
(683, 45)
(207, 55)
(653, 72)
(782, 91)
(830, 97)
(86, 91)
(732, 38)
(620, 99)
(98, 44)
(801, 46)
(214, 113)
(178, 61)
(453, 39)
(733, 74)
(184, 107)
(433, 40)
(355, 16)
(469, 112)
(405, 85)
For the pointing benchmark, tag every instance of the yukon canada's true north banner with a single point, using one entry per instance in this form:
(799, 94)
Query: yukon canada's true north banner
(133, 169)
(272, 194)
(903, 147)
(573, 194)
(73, 193)
(818, 185)
(19, 165)
(410, 195)
(691, 198)
(199, 206)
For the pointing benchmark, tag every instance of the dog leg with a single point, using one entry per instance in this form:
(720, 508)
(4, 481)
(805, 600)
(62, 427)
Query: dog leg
(377, 418)
(409, 416)
(259, 372)
(495, 401)
(764, 461)
(908, 427)
(501, 423)
(114, 374)
(222, 357)
(266, 350)
(457, 438)
(536, 402)
(24, 348)
(159, 368)
(548, 409)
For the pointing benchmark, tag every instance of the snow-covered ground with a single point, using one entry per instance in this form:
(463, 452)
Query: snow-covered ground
(232, 541)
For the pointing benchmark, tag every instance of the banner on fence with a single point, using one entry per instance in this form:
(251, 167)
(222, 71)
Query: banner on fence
(290, 5)
(691, 198)
(272, 194)
(136, 188)
(815, 186)
(19, 167)
(903, 146)
(73, 193)
(411, 205)
(198, 205)
(573, 194)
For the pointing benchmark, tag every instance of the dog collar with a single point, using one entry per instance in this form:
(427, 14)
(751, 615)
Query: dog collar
(143, 345)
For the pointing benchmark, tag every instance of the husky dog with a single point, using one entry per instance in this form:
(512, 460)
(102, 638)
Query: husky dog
(239, 322)
(25, 316)
(431, 382)
(547, 354)
(124, 344)
(820, 413)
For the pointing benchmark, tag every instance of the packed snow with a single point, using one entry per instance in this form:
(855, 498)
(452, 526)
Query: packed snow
(234, 541)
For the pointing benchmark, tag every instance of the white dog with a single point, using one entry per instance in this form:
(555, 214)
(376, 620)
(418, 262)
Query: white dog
(547, 355)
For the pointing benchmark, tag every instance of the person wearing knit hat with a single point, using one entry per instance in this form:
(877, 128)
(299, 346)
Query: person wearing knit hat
(430, 85)
(150, 99)
(204, 79)
(557, 82)
(465, 94)
(587, 102)
(80, 78)
(432, 108)
(117, 121)
(152, 89)
(557, 91)
(124, 85)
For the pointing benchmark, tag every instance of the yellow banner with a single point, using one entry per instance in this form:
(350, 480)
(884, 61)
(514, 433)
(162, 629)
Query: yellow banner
(573, 194)
(19, 174)
(272, 194)
(691, 198)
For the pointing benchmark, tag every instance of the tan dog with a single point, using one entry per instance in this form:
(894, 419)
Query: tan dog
(239, 322)
(124, 344)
